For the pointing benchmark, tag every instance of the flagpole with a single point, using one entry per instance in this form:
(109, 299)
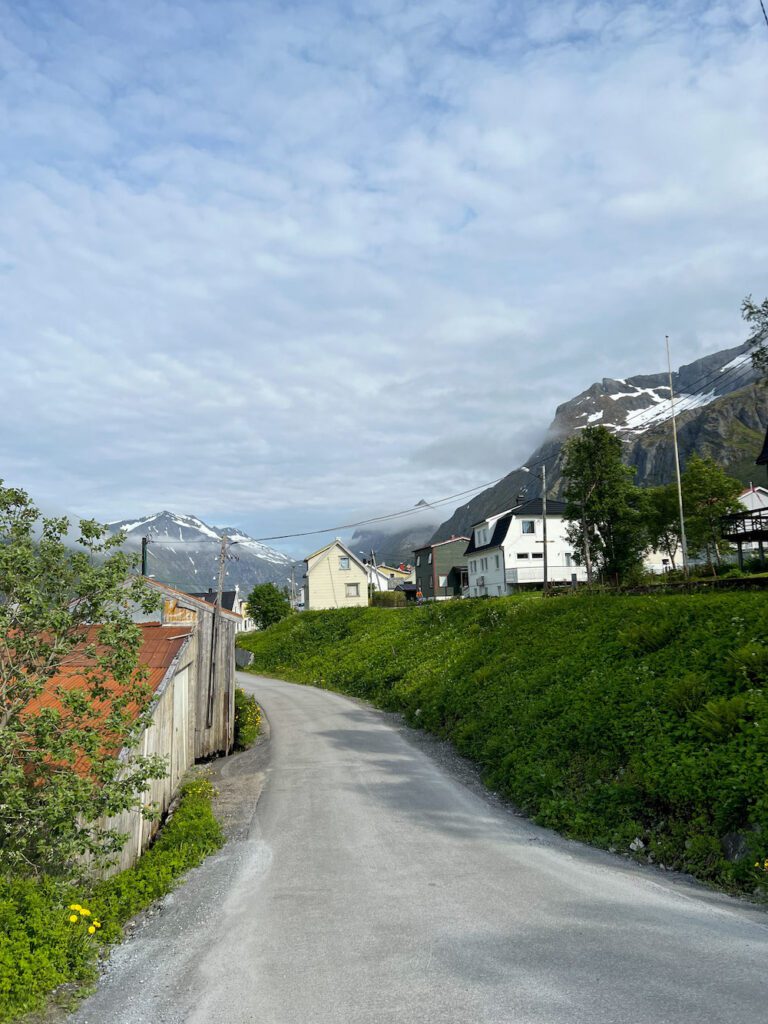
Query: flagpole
(683, 543)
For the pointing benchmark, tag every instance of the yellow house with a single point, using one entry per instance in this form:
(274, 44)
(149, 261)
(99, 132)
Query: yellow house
(335, 578)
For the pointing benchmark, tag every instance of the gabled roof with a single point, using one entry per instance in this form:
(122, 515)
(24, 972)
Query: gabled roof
(228, 598)
(500, 531)
(160, 647)
(439, 544)
(329, 547)
(532, 507)
(198, 602)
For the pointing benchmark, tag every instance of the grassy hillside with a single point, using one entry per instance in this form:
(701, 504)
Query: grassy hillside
(612, 719)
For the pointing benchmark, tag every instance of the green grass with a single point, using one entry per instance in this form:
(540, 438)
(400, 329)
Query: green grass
(608, 718)
(247, 719)
(41, 949)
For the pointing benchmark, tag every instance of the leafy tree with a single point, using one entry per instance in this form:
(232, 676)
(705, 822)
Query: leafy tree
(267, 605)
(604, 506)
(59, 767)
(757, 317)
(708, 494)
(662, 519)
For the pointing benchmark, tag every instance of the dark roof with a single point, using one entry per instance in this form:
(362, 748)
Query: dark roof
(227, 598)
(498, 535)
(439, 544)
(532, 507)
(762, 458)
(406, 587)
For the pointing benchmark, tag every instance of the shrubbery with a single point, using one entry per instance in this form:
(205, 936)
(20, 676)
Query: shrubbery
(41, 947)
(247, 719)
(612, 719)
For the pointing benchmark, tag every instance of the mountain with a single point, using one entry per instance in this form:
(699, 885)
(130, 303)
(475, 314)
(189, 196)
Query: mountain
(721, 412)
(391, 548)
(184, 552)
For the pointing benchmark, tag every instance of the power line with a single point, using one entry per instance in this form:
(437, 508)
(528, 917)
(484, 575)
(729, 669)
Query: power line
(696, 388)
(762, 7)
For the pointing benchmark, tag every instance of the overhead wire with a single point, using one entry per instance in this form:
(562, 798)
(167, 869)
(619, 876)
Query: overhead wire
(689, 397)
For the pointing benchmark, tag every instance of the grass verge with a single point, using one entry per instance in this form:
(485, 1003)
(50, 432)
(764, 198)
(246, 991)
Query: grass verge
(247, 719)
(637, 723)
(45, 925)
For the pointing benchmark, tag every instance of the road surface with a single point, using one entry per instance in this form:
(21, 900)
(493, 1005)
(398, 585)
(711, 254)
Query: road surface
(373, 885)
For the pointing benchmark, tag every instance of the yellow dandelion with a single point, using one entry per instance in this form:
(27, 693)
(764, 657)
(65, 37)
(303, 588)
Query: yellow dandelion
(84, 912)
(73, 918)
(74, 906)
(97, 924)
(91, 930)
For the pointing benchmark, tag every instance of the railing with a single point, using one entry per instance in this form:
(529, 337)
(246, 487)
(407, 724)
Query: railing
(745, 525)
(555, 574)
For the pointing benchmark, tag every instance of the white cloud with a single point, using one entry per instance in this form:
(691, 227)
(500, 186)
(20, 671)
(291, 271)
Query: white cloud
(270, 263)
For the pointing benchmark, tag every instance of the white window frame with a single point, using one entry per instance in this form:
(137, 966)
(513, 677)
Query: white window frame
(342, 566)
(353, 589)
(528, 522)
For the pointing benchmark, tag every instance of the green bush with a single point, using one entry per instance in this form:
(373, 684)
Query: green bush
(247, 719)
(41, 947)
(388, 599)
(609, 718)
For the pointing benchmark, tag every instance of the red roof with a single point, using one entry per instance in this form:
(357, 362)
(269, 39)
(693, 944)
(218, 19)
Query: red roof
(159, 647)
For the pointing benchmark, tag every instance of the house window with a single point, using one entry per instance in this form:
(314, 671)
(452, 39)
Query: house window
(353, 589)
(537, 554)
(473, 567)
(529, 526)
(497, 561)
(522, 554)
(429, 559)
(568, 559)
(418, 559)
(484, 564)
(343, 562)
(431, 583)
(442, 581)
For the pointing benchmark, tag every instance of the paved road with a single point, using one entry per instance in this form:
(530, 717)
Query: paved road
(374, 887)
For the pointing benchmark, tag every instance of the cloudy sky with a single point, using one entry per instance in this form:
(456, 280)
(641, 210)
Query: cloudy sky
(287, 264)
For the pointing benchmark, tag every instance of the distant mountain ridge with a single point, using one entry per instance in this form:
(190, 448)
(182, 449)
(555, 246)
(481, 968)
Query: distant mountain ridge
(721, 412)
(184, 552)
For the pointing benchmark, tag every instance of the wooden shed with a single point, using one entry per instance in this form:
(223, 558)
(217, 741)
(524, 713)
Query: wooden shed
(214, 670)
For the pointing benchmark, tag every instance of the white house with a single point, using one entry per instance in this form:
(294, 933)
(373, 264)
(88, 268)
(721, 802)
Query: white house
(506, 550)
(335, 578)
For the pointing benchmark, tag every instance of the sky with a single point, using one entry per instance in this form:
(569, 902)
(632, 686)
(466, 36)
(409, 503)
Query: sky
(286, 265)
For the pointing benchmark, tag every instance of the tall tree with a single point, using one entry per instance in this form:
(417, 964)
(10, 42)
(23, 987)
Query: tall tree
(267, 605)
(602, 503)
(60, 773)
(757, 317)
(708, 495)
(662, 519)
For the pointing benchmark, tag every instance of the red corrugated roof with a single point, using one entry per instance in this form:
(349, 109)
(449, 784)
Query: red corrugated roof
(159, 647)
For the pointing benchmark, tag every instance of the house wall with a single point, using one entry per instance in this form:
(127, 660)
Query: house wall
(186, 612)
(326, 583)
(446, 558)
(561, 566)
(519, 560)
(171, 736)
(487, 565)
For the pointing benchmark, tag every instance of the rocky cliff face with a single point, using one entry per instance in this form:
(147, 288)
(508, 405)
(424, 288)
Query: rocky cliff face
(721, 412)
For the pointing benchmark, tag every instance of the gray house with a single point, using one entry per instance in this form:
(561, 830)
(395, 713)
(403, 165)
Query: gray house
(441, 569)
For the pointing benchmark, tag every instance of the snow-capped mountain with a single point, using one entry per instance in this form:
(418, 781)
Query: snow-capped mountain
(184, 551)
(721, 412)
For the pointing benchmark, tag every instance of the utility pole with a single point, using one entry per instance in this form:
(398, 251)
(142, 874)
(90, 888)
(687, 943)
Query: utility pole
(293, 585)
(544, 522)
(215, 634)
(683, 543)
(144, 543)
